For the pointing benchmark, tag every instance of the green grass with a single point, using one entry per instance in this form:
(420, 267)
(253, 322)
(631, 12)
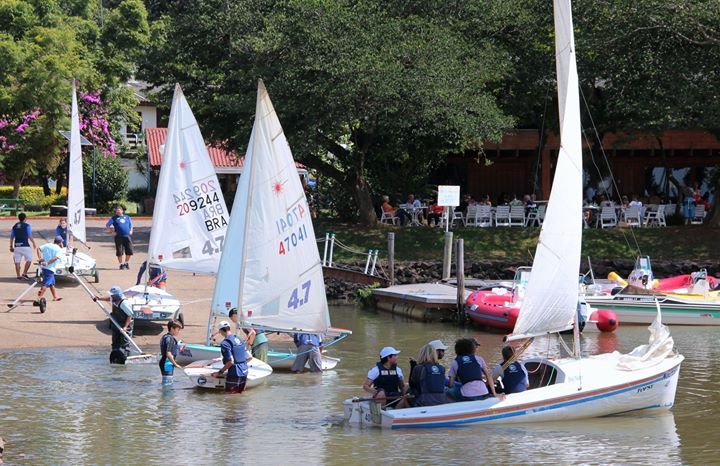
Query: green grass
(513, 245)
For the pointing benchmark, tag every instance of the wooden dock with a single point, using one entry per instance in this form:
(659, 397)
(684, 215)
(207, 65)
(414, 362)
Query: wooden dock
(421, 301)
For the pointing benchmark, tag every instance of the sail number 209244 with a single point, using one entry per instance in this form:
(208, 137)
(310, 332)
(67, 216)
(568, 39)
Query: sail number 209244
(293, 240)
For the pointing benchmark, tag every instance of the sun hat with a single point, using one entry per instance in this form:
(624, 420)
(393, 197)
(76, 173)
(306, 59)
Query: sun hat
(388, 351)
(116, 291)
(438, 345)
(223, 325)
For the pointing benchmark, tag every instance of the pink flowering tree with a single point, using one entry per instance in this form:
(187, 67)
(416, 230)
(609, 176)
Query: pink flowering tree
(15, 133)
(94, 125)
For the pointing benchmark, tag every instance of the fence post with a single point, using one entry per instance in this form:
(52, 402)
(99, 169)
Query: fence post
(391, 257)
(375, 256)
(327, 237)
(447, 255)
(460, 273)
(367, 263)
(332, 246)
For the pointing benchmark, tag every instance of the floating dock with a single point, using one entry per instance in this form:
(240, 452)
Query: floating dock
(421, 301)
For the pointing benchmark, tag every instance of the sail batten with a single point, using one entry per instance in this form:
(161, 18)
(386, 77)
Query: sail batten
(76, 188)
(550, 301)
(272, 273)
(190, 216)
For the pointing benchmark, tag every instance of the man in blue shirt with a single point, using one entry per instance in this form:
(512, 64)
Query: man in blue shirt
(235, 358)
(20, 241)
(121, 227)
(49, 255)
(308, 351)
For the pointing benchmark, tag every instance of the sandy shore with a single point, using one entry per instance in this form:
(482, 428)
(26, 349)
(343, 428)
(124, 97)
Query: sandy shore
(77, 320)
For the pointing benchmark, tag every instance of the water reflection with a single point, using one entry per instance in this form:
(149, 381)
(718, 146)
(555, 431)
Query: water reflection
(68, 405)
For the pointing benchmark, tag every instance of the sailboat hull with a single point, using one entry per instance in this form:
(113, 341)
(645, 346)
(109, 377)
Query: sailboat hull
(83, 264)
(278, 360)
(153, 304)
(200, 372)
(585, 389)
(641, 309)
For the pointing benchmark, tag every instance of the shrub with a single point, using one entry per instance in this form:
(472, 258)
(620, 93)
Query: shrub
(33, 196)
(111, 179)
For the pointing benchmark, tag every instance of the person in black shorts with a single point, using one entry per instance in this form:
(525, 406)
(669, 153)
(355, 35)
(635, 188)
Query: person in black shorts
(120, 225)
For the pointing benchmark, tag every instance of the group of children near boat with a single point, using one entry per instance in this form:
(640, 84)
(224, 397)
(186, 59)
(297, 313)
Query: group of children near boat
(468, 378)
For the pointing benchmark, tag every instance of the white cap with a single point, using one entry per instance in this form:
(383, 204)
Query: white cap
(388, 351)
(116, 291)
(438, 345)
(223, 324)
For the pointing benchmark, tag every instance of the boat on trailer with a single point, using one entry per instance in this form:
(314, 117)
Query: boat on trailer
(572, 387)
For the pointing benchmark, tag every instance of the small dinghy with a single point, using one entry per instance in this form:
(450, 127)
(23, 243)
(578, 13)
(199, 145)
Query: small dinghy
(201, 373)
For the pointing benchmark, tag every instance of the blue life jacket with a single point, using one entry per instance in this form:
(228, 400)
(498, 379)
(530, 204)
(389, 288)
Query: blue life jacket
(388, 380)
(434, 379)
(513, 378)
(238, 353)
(469, 369)
(167, 343)
(21, 232)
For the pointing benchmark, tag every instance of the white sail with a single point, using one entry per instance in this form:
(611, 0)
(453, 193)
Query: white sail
(551, 297)
(76, 189)
(271, 268)
(190, 217)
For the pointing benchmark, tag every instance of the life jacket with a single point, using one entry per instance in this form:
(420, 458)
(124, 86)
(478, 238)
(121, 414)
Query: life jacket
(21, 234)
(238, 351)
(388, 380)
(513, 378)
(469, 369)
(165, 343)
(119, 315)
(433, 380)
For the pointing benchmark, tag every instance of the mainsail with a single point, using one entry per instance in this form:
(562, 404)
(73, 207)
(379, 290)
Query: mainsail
(190, 217)
(270, 268)
(76, 189)
(551, 297)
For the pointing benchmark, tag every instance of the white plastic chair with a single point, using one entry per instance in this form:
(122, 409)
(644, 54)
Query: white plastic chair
(699, 217)
(484, 216)
(632, 216)
(655, 217)
(502, 216)
(517, 216)
(388, 217)
(457, 215)
(471, 216)
(608, 217)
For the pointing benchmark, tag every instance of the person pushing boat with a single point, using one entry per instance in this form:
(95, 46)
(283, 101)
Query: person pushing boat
(48, 255)
(169, 349)
(122, 315)
(235, 358)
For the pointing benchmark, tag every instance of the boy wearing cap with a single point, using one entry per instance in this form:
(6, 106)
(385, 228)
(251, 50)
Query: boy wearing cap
(235, 358)
(49, 255)
(386, 380)
(123, 316)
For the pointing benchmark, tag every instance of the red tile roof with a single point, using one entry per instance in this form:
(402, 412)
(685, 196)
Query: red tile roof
(155, 137)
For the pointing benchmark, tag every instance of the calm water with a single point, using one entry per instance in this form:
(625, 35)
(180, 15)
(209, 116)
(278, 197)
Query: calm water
(69, 406)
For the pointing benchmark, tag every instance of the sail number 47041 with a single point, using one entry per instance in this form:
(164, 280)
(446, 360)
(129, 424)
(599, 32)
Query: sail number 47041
(292, 240)
(298, 298)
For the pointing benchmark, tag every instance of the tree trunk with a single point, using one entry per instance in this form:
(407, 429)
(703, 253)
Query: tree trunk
(360, 191)
(45, 185)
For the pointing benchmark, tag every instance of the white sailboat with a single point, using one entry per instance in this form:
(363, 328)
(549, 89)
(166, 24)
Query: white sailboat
(82, 264)
(270, 269)
(567, 388)
(189, 219)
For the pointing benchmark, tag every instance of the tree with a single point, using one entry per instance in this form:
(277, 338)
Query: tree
(43, 46)
(371, 94)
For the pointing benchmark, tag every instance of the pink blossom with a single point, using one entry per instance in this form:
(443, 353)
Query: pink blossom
(21, 128)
